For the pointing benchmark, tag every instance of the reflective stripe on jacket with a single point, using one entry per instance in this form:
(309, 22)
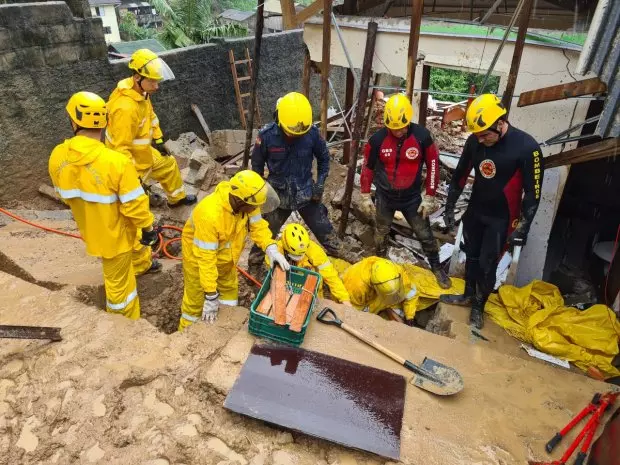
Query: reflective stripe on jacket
(218, 235)
(103, 190)
(132, 124)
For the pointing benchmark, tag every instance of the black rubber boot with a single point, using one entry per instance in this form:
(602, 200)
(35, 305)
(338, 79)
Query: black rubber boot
(476, 317)
(187, 200)
(464, 300)
(155, 267)
(440, 275)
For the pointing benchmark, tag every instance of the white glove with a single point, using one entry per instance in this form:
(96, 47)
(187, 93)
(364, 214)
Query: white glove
(366, 206)
(429, 205)
(276, 257)
(210, 308)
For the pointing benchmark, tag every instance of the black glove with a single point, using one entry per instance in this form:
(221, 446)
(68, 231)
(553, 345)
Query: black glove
(517, 238)
(448, 217)
(149, 238)
(161, 147)
(409, 322)
(317, 192)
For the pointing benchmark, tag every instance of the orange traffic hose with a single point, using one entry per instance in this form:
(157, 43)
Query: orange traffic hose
(162, 247)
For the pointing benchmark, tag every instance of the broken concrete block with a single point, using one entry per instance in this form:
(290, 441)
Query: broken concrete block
(202, 156)
(229, 142)
(194, 177)
(194, 164)
(49, 192)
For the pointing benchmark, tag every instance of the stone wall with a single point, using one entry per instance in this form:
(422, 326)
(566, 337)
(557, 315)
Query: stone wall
(46, 54)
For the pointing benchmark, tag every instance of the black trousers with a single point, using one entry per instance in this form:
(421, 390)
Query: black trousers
(485, 240)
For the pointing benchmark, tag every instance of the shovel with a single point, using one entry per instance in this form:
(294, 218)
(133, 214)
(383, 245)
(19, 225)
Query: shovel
(432, 376)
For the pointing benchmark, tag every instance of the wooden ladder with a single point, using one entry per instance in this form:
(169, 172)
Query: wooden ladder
(245, 79)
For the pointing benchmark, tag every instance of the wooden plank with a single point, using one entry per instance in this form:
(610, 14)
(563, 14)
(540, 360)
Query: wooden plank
(278, 290)
(309, 11)
(240, 62)
(303, 306)
(288, 14)
(603, 149)
(325, 64)
(562, 91)
(265, 305)
(291, 306)
(201, 120)
(244, 78)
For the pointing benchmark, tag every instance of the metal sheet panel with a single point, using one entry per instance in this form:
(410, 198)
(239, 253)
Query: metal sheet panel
(327, 397)
(601, 55)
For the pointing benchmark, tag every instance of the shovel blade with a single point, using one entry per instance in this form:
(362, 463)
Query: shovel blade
(451, 380)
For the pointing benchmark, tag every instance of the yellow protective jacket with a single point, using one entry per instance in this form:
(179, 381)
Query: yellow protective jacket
(104, 193)
(218, 235)
(132, 124)
(363, 295)
(316, 259)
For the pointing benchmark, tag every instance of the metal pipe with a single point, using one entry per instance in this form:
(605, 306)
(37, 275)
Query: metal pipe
(592, 119)
(344, 49)
(325, 64)
(515, 15)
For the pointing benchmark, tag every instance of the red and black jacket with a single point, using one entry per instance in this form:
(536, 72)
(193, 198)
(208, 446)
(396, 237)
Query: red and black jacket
(395, 165)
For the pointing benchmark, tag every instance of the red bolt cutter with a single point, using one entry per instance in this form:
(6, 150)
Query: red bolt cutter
(598, 405)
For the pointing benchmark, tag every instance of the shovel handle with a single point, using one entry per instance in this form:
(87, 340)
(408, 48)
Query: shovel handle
(332, 319)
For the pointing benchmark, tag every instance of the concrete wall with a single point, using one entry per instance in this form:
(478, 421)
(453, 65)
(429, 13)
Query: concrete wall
(107, 13)
(46, 54)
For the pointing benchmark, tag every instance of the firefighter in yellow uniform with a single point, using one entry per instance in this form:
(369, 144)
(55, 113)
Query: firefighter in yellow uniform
(107, 201)
(213, 239)
(302, 252)
(133, 128)
(375, 284)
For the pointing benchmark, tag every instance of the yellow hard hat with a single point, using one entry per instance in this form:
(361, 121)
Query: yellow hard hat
(87, 110)
(398, 112)
(147, 64)
(483, 112)
(250, 187)
(385, 277)
(294, 113)
(295, 239)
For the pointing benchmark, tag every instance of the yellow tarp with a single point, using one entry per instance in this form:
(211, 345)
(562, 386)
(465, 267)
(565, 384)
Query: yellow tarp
(424, 281)
(536, 314)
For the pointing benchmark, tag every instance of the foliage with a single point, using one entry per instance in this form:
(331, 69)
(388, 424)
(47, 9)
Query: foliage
(451, 80)
(130, 30)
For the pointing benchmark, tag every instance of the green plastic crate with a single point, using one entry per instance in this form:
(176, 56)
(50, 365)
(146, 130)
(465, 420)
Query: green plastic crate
(263, 326)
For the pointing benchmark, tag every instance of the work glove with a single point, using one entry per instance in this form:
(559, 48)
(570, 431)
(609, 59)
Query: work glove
(448, 217)
(149, 237)
(275, 256)
(317, 192)
(366, 205)
(429, 205)
(518, 237)
(409, 322)
(161, 147)
(210, 307)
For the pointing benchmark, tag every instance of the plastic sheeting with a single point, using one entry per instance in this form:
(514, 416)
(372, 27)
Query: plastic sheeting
(536, 314)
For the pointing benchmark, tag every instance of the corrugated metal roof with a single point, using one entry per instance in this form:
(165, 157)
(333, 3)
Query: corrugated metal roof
(127, 48)
(236, 15)
(103, 2)
(601, 55)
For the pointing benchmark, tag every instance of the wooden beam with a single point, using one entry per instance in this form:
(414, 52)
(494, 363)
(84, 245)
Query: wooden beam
(306, 74)
(201, 120)
(562, 91)
(309, 11)
(252, 110)
(371, 38)
(603, 149)
(524, 20)
(325, 64)
(348, 103)
(417, 7)
(426, 81)
(288, 14)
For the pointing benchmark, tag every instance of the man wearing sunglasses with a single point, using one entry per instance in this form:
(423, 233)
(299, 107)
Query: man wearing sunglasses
(288, 146)
(508, 167)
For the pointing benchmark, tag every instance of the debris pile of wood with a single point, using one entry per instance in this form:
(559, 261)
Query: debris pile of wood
(284, 305)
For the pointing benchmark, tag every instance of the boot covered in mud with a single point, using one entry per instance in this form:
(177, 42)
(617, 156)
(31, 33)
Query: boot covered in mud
(476, 317)
(440, 275)
(465, 299)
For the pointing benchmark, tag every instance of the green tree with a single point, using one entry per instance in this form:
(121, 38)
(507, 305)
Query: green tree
(130, 30)
(452, 80)
(191, 22)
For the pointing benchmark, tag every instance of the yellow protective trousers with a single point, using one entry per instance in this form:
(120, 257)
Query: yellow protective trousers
(165, 170)
(120, 286)
(141, 256)
(193, 293)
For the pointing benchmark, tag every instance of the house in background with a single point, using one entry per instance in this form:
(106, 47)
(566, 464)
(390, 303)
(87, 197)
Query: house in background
(246, 19)
(273, 15)
(105, 9)
(145, 13)
(126, 49)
